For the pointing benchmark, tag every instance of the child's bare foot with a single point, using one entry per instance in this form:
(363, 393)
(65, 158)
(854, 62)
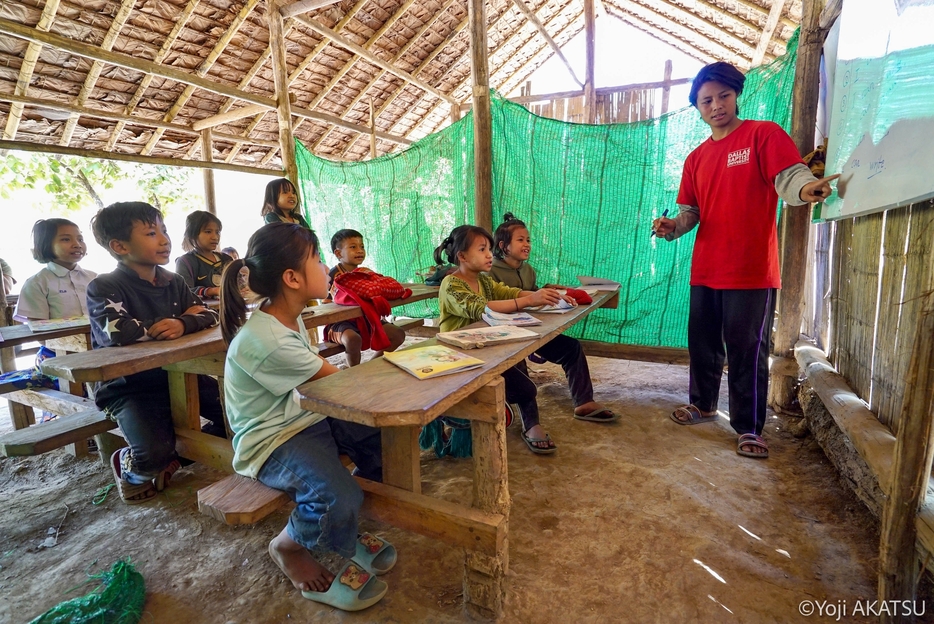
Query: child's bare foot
(302, 569)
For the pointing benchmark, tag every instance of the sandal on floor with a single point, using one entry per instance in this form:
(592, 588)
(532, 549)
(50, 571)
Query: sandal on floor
(531, 442)
(375, 554)
(751, 439)
(352, 589)
(164, 477)
(600, 414)
(131, 494)
(695, 416)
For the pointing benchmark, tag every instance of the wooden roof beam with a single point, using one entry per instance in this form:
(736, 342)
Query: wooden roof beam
(41, 148)
(81, 111)
(372, 58)
(123, 13)
(232, 115)
(28, 66)
(382, 72)
(304, 6)
(180, 22)
(129, 62)
(203, 69)
(530, 15)
(770, 23)
(753, 26)
(650, 29)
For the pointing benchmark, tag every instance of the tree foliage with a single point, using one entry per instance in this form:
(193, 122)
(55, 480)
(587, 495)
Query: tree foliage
(73, 183)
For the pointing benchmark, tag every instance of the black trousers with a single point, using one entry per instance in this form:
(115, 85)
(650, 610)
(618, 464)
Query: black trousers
(735, 324)
(521, 390)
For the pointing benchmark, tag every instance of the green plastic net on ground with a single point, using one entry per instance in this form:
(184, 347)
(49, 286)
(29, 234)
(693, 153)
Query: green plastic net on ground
(588, 194)
(118, 599)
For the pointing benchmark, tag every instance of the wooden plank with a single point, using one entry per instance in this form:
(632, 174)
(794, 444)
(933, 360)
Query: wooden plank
(236, 499)
(636, 353)
(79, 343)
(872, 440)
(16, 335)
(401, 458)
(55, 434)
(485, 573)
(204, 449)
(453, 524)
(481, 406)
(184, 400)
(206, 365)
(397, 398)
(55, 401)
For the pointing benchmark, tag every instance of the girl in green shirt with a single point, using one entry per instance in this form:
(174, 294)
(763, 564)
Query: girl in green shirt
(463, 296)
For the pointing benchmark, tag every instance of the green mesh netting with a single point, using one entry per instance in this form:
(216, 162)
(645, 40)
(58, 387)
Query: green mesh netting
(588, 194)
(118, 599)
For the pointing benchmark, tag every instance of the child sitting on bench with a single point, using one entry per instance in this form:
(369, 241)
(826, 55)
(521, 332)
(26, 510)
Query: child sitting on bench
(284, 446)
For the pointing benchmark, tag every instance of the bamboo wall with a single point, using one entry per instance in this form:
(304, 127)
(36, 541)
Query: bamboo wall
(873, 315)
(617, 107)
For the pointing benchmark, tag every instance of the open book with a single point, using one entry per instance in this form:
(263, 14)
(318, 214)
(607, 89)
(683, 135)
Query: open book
(502, 318)
(54, 324)
(559, 308)
(433, 361)
(481, 336)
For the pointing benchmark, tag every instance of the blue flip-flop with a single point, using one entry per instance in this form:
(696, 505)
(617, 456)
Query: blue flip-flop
(353, 589)
(375, 554)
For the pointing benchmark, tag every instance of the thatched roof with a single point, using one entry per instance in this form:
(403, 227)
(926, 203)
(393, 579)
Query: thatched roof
(133, 101)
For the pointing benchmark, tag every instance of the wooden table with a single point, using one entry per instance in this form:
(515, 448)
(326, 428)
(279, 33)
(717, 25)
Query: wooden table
(62, 341)
(381, 395)
(201, 353)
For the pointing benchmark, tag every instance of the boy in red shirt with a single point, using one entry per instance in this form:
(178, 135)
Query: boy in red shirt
(730, 188)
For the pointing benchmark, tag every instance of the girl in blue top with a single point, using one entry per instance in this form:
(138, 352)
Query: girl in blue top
(285, 446)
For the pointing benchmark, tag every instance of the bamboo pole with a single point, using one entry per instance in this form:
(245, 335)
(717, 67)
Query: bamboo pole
(42, 148)
(795, 219)
(666, 90)
(280, 72)
(207, 154)
(775, 12)
(590, 34)
(482, 120)
(898, 560)
(372, 130)
(533, 19)
(304, 6)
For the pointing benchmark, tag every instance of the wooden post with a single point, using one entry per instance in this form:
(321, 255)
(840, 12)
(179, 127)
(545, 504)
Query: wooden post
(207, 154)
(485, 576)
(280, 73)
(372, 130)
(898, 559)
(666, 90)
(482, 120)
(590, 91)
(795, 219)
(455, 113)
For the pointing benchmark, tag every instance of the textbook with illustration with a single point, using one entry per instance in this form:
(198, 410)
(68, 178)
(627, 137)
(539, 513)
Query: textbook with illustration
(56, 324)
(477, 337)
(519, 319)
(433, 361)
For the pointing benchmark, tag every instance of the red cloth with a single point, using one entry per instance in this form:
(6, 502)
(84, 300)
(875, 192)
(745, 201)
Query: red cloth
(732, 182)
(372, 292)
(581, 297)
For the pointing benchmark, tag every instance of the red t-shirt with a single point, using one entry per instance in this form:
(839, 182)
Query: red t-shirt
(732, 182)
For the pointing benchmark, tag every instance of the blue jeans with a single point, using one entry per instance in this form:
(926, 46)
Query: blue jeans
(307, 467)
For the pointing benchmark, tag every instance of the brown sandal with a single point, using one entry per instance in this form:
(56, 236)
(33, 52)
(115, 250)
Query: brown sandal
(131, 494)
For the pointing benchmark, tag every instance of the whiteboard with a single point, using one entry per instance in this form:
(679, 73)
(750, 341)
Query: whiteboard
(881, 135)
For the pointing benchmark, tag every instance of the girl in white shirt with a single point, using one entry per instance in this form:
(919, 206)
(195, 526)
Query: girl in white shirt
(59, 289)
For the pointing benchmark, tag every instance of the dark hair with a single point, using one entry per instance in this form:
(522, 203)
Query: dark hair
(115, 222)
(273, 249)
(721, 72)
(44, 233)
(194, 223)
(230, 251)
(460, 239)
(341, 235)
(503, 234)
(271, 198)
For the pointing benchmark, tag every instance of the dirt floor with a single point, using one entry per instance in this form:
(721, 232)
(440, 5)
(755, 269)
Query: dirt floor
(639, 521)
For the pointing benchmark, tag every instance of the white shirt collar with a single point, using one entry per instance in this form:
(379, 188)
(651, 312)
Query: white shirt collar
(61, 271)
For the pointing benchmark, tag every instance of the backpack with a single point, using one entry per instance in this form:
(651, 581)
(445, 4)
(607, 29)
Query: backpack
(372, 292)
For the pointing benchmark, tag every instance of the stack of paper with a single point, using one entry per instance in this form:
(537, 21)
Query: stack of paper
(519, 319)
(54, 324)
(598, 283)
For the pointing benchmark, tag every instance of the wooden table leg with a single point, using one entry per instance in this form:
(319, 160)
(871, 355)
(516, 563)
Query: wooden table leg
(21, 415)
(401, 458)
(485, 575)
(184, 398)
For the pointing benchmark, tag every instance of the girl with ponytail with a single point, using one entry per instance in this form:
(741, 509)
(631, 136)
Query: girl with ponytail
(284, 446)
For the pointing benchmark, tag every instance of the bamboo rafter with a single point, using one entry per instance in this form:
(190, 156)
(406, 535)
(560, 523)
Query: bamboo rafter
(684, 45)
(770, 23)
(26, 69)
(761, 17)
(530, 15)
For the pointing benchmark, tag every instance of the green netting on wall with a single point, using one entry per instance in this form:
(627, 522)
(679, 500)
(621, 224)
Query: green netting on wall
(588, 193)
